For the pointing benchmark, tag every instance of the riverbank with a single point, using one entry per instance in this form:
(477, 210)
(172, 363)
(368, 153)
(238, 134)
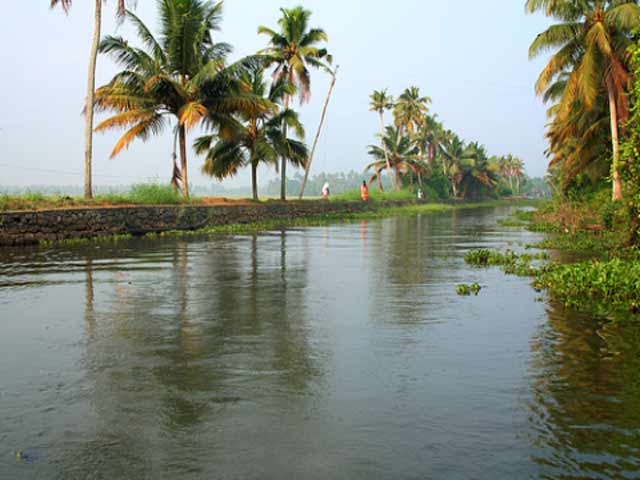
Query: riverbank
(594, 269)
(22, 228)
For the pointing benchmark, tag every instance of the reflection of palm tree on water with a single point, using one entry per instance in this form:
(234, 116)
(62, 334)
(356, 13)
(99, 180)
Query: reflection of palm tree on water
(586, 395)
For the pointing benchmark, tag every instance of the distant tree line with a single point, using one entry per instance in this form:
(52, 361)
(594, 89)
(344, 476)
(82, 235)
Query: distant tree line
(416, 150)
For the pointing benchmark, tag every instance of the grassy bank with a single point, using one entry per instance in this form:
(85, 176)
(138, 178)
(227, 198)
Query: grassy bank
(142, 194)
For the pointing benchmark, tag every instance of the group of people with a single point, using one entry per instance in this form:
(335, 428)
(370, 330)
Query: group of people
(364, 192)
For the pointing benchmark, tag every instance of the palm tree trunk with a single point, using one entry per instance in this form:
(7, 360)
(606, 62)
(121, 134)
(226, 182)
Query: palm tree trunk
(183, 160)
(379, 178)
(88, 130)
(386, 153)
(254, 180)
(283, 160)
(175, 174)
(613, 110)
(315, 141)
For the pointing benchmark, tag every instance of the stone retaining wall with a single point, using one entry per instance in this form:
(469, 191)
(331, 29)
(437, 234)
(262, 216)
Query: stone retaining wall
(27, 228)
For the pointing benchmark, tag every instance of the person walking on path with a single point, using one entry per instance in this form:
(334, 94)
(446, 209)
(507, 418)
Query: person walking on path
(325, 191)
(364, 191)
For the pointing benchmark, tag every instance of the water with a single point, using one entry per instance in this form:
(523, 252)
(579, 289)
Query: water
(330, 352)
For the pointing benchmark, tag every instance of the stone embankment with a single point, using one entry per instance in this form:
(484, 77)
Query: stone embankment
(32, 227)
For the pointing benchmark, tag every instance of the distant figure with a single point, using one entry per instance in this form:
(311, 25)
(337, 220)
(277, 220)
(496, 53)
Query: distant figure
(420, 194)
(325, 191)
(364, 192)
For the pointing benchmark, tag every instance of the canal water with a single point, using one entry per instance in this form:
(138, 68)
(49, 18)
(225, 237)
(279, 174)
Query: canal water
(336, 352)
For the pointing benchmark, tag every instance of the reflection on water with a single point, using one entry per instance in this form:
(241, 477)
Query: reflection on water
(586, 397)
(331, 352)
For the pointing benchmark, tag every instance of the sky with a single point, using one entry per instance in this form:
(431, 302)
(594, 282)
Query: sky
(470, 57)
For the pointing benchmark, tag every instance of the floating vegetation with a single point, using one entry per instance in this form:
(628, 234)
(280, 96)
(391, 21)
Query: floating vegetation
(604, 287)
(466, 290)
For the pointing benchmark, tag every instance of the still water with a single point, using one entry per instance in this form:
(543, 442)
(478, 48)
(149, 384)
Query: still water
(322, 353)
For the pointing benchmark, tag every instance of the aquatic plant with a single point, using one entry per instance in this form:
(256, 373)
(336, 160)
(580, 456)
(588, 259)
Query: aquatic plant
(466, 290)
(605, 287)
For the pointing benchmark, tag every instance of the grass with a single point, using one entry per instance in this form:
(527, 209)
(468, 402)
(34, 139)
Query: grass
(375, 196)
(140, 194)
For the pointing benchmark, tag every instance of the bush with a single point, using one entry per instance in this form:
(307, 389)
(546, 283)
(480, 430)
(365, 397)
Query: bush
(154, 194)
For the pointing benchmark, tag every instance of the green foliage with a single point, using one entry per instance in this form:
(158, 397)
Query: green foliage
(140, 194)
(154, 194)
(181, 75)
(585, 80)
(465, 290)
(376, 196)
(630, 162)
(511, 263)
(420, 152)
(259, 137)
(605, 287)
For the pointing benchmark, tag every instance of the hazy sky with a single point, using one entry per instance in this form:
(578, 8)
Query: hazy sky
(469, 56)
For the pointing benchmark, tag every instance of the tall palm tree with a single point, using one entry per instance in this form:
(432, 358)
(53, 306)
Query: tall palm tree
(591, 43)
(380, 102)
(183, 75)
(453, 151)
(259, 138)
(429, 136)
(511, 168)
(307, 169)
(88, 110)
(403, 155)
(293, 50)
(476, 177)
(410, 110)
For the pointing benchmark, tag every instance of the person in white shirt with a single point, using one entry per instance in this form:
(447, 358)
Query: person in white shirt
(325, 190)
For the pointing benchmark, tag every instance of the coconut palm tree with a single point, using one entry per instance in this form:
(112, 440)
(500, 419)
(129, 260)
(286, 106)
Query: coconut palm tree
(181, 76)
(259, 138)
(402, 152)
(292, 51)
(511, 168)
(591, 56)
(476, 177)
(453, 151)
(410, 110)
(88, 110)
(323, 115)
(429, 136)
(380, 102)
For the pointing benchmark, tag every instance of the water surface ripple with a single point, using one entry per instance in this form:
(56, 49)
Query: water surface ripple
(329, 352)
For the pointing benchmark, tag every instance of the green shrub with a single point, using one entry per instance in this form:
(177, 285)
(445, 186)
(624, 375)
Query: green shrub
(154, 194)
